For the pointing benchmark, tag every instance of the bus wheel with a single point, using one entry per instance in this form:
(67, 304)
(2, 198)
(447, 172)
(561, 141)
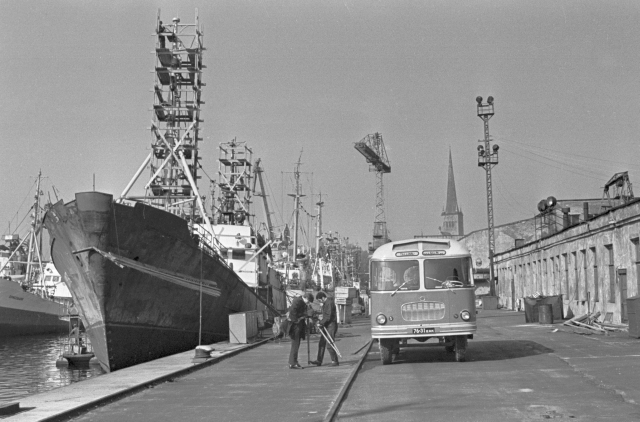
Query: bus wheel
(461, 348)
(451, 346)
(386, 347)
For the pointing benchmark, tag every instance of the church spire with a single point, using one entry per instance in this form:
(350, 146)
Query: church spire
(452, 201)
(453, 224)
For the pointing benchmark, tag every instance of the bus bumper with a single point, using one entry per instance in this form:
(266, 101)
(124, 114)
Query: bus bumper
(413, 331)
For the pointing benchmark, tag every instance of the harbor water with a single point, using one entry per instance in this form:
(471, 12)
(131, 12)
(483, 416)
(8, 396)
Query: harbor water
(28, 366)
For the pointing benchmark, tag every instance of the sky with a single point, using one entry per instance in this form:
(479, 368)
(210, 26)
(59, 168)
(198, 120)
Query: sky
(308, 79)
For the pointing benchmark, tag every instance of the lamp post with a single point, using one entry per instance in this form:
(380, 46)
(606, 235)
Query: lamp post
(488, 158)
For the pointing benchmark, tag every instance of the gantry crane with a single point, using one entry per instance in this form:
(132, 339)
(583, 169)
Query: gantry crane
(372, 147)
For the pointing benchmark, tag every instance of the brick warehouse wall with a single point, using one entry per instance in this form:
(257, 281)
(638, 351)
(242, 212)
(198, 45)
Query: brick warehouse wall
(593, 265)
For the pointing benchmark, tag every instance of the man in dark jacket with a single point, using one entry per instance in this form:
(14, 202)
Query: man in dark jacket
(328, 320)
(297, 326)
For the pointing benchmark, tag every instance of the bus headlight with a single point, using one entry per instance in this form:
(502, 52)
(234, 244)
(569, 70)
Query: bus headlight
(381, 319)
(465, 315)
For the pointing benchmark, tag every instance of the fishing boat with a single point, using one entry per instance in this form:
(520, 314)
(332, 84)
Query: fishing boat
(148, 273)
(32, 298)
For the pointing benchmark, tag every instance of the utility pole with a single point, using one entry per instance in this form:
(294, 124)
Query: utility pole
(488, 158)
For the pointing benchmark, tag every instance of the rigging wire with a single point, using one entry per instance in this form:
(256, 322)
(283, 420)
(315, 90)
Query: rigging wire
(19, 207)
(522, 208)
(547, 164)
(565, 162)
(572, 154)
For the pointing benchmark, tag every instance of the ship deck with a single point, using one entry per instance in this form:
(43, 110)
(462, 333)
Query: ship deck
(240, 382)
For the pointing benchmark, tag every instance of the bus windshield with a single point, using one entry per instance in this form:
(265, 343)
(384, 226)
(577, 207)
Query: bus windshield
(446, 272)
(394, 275)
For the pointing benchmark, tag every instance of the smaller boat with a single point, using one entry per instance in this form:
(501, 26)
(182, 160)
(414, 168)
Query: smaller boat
(78, 350)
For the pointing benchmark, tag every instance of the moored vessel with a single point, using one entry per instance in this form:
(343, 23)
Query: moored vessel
(31, 301)
(146, 271)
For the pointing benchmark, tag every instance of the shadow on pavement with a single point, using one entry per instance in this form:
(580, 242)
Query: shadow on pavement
(477, 351)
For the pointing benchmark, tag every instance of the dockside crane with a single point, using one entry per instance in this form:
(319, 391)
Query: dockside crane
(372, 147)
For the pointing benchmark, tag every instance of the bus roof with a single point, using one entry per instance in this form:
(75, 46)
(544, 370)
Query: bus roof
(421, 247)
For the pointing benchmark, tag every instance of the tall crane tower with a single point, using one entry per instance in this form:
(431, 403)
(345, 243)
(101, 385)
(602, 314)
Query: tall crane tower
(372, 147)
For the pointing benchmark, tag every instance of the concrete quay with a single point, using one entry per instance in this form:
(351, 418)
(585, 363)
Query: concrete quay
(240, 383)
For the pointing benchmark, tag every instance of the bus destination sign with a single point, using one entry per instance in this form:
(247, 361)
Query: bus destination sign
(407, 253)
(434, 252)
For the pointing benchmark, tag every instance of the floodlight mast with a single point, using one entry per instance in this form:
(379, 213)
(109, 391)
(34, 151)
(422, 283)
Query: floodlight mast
(373, 150)
(488, 158)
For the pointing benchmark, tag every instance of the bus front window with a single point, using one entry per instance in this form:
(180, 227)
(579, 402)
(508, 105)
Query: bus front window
(446, 272)
(391, 275)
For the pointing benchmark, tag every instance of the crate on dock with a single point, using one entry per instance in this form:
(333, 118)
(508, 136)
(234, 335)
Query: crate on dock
(345, 292)
(343, 301)
(243, 327)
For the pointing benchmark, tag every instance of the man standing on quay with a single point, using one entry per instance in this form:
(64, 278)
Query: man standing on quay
(297, 326)
(328, 319)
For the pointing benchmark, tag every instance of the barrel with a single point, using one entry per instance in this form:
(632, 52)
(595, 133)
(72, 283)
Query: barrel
(545, 314)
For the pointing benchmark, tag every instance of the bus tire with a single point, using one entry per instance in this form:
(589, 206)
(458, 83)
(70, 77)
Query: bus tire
(386, 348)
(451, 346)
(461, 348)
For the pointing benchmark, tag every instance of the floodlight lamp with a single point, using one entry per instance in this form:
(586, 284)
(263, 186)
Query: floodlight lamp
(542, 205)
(490, 100)
(496, 148)
(480, 148)
(551, 201)
(479, 100)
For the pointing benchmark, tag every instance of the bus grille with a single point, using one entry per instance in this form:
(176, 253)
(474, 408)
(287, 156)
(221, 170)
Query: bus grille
(422, 311)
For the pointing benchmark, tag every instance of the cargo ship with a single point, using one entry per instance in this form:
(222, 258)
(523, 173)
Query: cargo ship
(148, 272)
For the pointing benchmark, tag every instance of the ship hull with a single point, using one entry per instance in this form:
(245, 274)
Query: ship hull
(25, 313)
(132, 316)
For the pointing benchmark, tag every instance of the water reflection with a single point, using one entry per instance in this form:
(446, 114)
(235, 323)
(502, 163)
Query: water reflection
(28, 366)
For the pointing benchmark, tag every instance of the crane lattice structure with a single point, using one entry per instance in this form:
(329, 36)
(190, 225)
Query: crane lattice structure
(175, 127)
(372, 147)
(622, 188)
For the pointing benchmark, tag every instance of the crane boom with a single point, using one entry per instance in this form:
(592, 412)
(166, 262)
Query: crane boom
(258, 172)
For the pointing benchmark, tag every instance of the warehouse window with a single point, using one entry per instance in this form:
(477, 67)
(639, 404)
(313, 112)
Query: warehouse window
(566, 275)
(596, 282)
(576, 278)
(612, 274)
(585, 278)
(636, 249)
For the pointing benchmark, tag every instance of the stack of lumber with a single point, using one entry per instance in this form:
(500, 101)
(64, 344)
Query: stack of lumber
(589, 324)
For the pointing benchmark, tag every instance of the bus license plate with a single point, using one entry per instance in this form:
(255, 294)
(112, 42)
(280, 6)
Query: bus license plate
(423, 330)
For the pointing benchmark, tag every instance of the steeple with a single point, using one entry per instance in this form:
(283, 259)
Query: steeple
(453, 223)
(452, 200)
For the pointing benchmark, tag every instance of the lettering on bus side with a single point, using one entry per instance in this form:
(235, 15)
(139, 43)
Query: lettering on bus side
(409, 253)
(434, 252)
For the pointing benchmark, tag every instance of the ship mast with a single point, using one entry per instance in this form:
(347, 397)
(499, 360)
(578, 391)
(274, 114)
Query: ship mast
(296, 200)
(33, 237)
(234, 172)
(263, 194)
(175, 127)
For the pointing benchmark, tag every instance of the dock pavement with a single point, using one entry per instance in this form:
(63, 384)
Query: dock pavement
(241, 382)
